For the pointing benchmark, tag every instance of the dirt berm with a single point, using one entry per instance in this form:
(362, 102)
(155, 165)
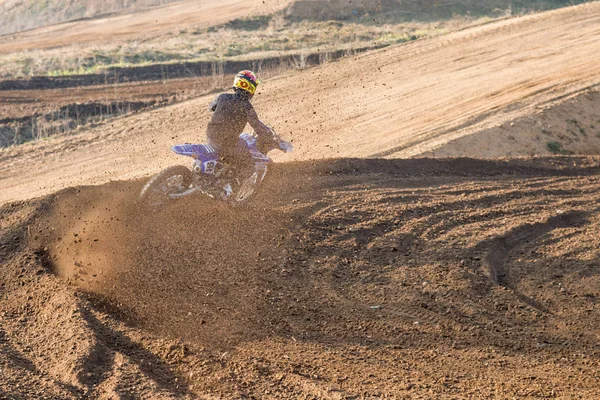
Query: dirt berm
(347, 278)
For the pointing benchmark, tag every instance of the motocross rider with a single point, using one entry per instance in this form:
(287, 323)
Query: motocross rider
(231, 113)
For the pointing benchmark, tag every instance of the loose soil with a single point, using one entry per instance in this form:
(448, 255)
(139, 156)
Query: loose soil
(343, 279)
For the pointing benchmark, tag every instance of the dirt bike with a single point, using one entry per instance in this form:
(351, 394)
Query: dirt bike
(210, 175)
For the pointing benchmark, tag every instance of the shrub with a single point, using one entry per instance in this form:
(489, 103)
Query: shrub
(555, 148)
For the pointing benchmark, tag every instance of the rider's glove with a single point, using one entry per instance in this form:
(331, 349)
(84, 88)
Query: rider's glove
(285, 146)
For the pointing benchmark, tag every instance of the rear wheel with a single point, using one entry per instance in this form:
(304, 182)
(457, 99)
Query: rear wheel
(172, 180)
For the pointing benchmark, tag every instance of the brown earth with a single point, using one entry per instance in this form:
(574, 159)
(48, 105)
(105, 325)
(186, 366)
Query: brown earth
(454, 278)
(43, 107)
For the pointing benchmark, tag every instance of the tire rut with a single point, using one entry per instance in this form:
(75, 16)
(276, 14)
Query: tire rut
(499, 249)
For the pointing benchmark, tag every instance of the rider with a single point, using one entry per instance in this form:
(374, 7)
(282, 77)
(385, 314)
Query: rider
(231, 113)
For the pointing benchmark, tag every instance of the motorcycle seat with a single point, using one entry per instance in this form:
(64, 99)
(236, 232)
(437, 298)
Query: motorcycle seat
(202, 152)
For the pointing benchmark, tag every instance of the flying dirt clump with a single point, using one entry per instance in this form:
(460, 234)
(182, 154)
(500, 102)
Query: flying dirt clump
(191, 270)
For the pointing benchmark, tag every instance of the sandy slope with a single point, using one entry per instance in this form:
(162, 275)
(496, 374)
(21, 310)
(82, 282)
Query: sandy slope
(140, 25)
(572, 122)
(397, 102)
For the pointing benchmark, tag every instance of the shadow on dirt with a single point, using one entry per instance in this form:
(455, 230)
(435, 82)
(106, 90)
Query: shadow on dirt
(500, 248)
(100, 362)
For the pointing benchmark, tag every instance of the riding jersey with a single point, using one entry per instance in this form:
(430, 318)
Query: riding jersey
(231, 113)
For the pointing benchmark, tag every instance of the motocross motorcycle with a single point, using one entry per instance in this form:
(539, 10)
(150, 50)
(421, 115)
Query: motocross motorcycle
(211, 176)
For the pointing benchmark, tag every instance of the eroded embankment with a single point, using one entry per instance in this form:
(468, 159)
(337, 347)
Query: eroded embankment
(66, 119)
(567, 125)
(412, 263)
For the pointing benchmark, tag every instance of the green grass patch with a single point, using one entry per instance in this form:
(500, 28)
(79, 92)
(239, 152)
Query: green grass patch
(250, 24)
(556, 148)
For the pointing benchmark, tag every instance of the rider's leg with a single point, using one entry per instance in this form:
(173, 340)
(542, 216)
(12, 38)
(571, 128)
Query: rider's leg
(242, 159)
(237, 156)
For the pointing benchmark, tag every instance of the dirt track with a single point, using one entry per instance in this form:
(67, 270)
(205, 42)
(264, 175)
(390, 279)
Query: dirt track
(416, 97)
(141, 25)
(365, 279)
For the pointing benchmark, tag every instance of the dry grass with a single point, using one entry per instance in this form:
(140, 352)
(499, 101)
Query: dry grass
(274, 37)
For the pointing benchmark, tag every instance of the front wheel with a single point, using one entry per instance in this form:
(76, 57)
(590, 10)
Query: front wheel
(249, 186)
(172, 180)
(246, 189)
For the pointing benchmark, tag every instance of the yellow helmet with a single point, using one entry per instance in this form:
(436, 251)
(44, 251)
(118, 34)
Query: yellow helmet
(246, 80)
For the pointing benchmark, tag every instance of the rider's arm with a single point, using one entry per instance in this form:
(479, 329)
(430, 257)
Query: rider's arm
(259, 128)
